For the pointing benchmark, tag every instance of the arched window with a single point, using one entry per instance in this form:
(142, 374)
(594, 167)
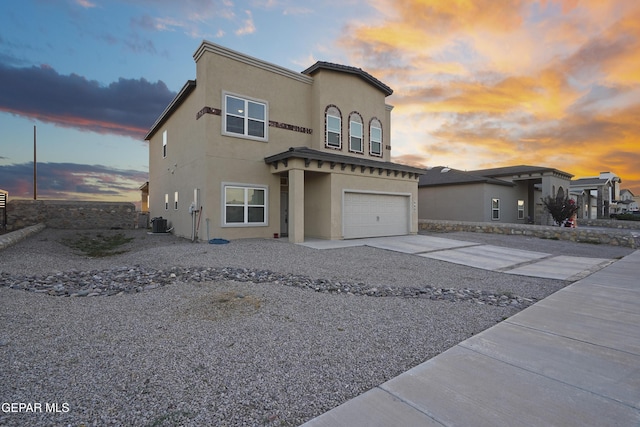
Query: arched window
(333, 127)
(375, 137)
(356, 131)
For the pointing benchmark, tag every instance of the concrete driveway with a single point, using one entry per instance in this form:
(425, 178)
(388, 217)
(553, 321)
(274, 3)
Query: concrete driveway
(486, 257)
(569, 360)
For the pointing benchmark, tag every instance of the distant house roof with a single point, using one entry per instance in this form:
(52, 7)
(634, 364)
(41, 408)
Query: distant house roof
(440, 175)
(588, 181)
(315, 155)
(321, 65)
(518, 170)
(186, 90)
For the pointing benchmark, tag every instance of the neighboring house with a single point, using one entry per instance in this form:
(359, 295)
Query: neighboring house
(144, 197)
(509, 194)
(252, 149)
(597, 197)
(627, 202)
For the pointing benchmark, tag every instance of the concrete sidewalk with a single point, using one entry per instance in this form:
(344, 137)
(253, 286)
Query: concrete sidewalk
(572, 359)
(486, 257)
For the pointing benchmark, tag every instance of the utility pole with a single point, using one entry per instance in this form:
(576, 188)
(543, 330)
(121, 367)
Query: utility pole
(34, 165)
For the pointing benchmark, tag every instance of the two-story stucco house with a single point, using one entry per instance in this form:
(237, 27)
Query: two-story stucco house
(252, 149)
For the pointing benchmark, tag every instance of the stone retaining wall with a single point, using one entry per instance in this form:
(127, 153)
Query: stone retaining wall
(610, 223)
(71, 214)
(609, 237)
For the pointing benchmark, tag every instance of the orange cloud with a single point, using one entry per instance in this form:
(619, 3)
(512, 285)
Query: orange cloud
(481, 83)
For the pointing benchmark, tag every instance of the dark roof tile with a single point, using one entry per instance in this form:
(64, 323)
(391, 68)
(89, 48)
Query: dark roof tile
(321, 65)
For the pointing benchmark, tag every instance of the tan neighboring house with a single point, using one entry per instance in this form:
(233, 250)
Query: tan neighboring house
(508, 195)
(252, 149)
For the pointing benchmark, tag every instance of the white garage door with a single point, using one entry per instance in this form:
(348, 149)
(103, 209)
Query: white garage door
(375, 215)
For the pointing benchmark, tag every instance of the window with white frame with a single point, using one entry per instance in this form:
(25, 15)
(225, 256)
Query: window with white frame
(175, 200)
(495, 209)
(245, 117)
(355, 133)
(166, 202)
(520, 209)
(164, 144)
(375, 138)
(245, 205)
(333, 127)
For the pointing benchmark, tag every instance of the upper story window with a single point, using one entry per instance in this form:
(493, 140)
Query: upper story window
(375, 137)
(164, 144)
(355, 133)
(175, 200)
(245, 117)
(333, 127)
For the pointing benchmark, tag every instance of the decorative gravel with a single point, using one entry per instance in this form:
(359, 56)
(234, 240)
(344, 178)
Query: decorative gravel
(256, 332)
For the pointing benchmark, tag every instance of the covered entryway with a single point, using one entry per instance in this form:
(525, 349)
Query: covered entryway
(375, 214)
(335, 196)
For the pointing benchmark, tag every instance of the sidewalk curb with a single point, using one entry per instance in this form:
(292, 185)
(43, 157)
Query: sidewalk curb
(14, 237)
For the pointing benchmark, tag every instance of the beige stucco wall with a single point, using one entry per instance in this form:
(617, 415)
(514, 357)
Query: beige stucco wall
(200, 156)
(183, 169)
(317, 205)
(349, 93)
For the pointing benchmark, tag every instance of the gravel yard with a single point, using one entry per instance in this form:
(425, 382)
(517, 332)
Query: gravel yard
(224, 352)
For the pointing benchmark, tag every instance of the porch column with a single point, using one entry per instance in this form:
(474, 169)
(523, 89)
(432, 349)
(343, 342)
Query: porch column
(296, 205)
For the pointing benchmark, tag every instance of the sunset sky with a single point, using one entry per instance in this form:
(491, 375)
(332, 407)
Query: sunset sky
(477, 83)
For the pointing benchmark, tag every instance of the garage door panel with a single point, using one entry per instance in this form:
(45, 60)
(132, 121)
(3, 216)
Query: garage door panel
(375, 215)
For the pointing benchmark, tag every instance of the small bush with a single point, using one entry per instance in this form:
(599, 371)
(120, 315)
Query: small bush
(99, 245)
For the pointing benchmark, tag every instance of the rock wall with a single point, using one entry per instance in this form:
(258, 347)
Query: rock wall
(71, 214)
(601, 236)
(610, 223)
